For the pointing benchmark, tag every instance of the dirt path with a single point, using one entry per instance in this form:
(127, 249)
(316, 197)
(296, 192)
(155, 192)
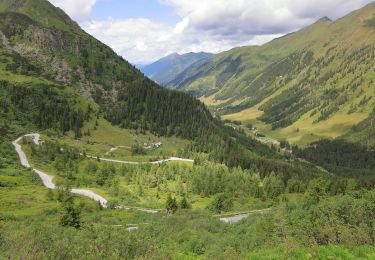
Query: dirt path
(48, 182)
(113, 149)
(170, 159)
(230, 219)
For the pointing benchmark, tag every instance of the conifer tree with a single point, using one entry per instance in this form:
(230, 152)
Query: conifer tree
(71, 215)
(171, 204)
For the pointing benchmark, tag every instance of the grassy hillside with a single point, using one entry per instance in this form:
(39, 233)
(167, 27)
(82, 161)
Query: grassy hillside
(315, 83)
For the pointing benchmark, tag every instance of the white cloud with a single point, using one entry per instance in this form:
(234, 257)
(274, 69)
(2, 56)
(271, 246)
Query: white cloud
(254, 17)
(141, 40)
(79, 10)
(206, 25)
(181, 26)
(138, 40)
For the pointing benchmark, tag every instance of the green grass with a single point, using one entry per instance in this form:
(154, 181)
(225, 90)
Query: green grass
(107, 136)
(29, 220)
(304, 131)
(321, 252)
(136, 191)
(22, 194)
(24, 198)
(17, 78)
(131, 189)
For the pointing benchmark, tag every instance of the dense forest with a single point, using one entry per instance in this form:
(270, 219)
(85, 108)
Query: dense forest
(124, 96)
(43, 107)
(304, 86)
(340, 157)
(147, 107)
(50, 107)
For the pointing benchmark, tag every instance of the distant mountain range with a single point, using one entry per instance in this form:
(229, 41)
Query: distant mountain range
(316, 83)
(167, 68)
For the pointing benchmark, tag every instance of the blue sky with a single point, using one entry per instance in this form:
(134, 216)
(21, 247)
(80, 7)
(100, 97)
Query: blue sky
(143, 31)
(124, 9)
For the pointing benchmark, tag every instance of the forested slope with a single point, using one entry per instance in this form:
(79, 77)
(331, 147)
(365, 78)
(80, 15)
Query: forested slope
(40, 44)
(30, 45)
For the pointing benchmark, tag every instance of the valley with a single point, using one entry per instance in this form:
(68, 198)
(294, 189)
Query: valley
(311, 84)
(258, 152)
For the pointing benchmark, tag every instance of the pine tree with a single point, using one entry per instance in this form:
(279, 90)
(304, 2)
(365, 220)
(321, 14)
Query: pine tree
(71, 215)
(171, 204)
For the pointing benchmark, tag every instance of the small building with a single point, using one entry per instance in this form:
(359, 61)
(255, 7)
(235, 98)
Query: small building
(152, 145)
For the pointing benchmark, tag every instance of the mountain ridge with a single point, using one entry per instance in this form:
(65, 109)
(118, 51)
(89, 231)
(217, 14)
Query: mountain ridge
(165, 69)
(43, 12)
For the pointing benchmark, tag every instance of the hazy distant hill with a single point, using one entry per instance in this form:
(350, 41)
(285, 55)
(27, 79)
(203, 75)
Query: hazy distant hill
(167, 68)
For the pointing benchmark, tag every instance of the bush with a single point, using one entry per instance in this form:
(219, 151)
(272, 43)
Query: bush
(71, 215)
(184, 204)
(221, 202)
(171, 204)
(138, 149)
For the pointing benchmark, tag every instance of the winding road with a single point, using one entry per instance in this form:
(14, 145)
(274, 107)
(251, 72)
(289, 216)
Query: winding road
(234, 218)
(48, 180)
(170, 159)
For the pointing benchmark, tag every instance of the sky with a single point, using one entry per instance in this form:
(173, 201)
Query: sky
(143, 31)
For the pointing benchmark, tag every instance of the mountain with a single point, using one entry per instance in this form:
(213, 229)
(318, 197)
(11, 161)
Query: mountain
(312, 84)
(40, 44)
(57, 77)
(167, 68)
